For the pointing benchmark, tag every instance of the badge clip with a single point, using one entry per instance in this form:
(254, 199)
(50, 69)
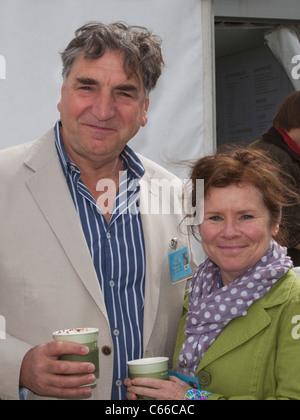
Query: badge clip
(173, 244)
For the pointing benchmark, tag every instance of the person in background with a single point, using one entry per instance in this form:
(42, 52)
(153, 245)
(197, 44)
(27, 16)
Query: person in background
(79, 246)
(240, 331)
(282, 143)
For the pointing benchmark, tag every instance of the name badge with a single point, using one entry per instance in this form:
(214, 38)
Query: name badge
(179, 263)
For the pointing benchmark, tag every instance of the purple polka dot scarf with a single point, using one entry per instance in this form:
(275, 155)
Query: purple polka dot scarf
(212, 307)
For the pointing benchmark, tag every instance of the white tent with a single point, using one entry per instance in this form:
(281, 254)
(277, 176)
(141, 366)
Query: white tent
(32, 33)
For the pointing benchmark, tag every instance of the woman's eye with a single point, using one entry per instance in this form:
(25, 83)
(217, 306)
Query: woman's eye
(215, 218)
(247, 217)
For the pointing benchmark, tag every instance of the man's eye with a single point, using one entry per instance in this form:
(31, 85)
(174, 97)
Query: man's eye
(86, 88)
(125, 94)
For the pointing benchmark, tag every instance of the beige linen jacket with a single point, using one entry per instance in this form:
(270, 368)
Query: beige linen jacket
(47, 278)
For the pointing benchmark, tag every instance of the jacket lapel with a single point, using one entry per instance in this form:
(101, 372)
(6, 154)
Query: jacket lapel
(48, 186)
(242, 329)
(153, 257)
(238, 332)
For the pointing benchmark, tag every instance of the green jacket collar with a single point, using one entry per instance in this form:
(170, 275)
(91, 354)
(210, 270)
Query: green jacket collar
(240, 330)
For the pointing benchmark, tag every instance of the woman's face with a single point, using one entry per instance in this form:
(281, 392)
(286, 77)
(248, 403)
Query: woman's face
(236, 230)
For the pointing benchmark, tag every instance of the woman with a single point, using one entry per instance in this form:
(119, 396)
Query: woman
(240, 334)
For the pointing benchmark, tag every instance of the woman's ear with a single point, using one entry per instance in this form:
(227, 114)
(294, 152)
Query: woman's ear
(275, 230)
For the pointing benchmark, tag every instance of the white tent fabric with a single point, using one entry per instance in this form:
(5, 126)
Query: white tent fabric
(32, 33)
(284, 42)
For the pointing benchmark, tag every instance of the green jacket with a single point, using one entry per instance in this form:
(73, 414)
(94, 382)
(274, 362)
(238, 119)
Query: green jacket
(256, 357)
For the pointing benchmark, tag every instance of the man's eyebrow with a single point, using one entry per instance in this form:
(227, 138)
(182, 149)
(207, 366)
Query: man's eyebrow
(87, 81)
(127, 87)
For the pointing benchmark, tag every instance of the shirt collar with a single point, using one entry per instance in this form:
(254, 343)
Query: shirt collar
(131, 161)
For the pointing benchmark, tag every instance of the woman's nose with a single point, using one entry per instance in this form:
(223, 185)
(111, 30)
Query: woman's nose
(231, 230)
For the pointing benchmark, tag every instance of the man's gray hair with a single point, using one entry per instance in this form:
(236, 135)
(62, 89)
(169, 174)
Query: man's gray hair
(142, 50)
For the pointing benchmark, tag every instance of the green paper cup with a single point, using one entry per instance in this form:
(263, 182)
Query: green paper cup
(153, 367)
(85, 336)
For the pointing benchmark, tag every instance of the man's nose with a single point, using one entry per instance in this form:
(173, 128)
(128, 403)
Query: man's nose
(104, 106)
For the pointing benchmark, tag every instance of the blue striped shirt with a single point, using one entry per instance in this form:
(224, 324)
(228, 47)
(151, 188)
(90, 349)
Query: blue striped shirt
(118, 253)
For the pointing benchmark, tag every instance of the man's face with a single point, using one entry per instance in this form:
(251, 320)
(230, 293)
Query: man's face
(101, 107)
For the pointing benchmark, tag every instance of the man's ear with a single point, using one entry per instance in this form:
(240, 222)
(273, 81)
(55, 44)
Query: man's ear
(62, 92)
(145, 117)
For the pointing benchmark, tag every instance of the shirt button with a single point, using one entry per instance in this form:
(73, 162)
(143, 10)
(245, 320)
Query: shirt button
(116, 333)
(106, 351)
(119, 382)
(112, 283)
(108, 235)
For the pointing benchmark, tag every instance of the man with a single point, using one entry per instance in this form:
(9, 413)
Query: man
(282, 142)
(79, 246)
